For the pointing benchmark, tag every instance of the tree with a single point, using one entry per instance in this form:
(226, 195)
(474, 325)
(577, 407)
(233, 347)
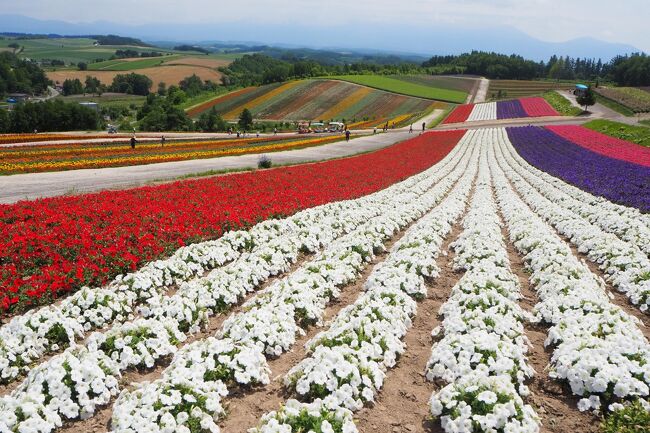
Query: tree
(93, 85)
(211, 121)
(4, 121)
(586, 98)
(72, 87)
(14, 45)
(246, 120)
(83, 66)
(135, 84)
(162, 88)
(175, 95)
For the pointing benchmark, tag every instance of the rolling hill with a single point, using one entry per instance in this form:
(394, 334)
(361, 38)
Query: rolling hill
(316, 99)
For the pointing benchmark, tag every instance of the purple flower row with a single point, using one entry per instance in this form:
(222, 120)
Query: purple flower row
(619, 181)
(510, 109)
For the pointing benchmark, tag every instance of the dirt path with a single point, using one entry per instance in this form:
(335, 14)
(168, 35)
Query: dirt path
(481, 93)
(36, 185)
(402, 404)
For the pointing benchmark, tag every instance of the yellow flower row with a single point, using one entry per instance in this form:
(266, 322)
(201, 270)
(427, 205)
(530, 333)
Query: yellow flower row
(346, 103)
(122, 146)
(234, 113)
(145, 159)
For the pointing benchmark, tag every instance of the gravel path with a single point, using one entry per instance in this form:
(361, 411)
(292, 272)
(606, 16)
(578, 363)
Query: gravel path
(481, 94)
(37, 185)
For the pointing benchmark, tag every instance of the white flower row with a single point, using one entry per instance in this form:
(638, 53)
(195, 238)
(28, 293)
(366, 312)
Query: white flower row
(28, 337)
(482, 355)
(348, 361)
(599, 350)
(142, 342)
(628, 268)
(630, 229)
(319, 416)
(269, 323)
(483, 111)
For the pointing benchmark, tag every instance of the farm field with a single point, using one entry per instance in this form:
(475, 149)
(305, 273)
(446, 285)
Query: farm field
(449, 82)
(58, 157)
(440, 90)
(633, 98)
(513, 109)
(521, 88)
(211, 62)
(71, 50)
(316, 100)
(173, 74)
(444, 281)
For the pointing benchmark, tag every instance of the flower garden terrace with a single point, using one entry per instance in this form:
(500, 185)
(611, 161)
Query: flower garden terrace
(535, 289)
(83, 154)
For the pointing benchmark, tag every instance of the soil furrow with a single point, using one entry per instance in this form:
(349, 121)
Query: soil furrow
(402, 404)
(552, 400)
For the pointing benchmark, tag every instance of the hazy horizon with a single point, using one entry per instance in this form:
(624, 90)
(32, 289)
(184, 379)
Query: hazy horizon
(546, 20)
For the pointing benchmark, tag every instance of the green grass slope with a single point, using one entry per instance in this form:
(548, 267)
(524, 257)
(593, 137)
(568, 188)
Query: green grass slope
(391, 84)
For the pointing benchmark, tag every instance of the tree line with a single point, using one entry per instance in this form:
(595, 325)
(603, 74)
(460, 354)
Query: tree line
(48, 116)
(628, 70)
(20, 76)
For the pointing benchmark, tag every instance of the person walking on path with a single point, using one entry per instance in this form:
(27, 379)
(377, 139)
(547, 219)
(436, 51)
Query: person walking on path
(347, 135)
(133, 141)
(374, 131)
(424, 126)
(411, 129)
(162, 141)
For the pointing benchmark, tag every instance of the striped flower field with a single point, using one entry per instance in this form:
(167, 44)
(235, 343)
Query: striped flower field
(316, 100)
(512, 109)
(450, 283)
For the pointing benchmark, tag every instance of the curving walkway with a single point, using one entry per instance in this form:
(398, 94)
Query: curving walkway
(38, 185)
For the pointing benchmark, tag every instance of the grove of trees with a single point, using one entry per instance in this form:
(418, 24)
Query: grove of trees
(48, 116)
(20, 76)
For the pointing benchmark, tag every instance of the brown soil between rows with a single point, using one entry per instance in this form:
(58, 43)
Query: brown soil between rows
(245, 407)
(552, 400)
(100, 422)
(402, 404)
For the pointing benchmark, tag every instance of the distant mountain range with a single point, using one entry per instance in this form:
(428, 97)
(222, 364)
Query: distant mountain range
(398, 39)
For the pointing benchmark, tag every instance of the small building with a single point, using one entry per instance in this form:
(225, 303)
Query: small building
(580, 89)
(91, 105)
(14, 98)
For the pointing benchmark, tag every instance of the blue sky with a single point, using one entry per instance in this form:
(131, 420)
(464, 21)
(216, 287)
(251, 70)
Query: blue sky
(623, 21)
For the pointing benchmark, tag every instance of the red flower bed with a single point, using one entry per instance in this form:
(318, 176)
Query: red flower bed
(604, 144)
(537, 107)
(56, 245)
(460, 114)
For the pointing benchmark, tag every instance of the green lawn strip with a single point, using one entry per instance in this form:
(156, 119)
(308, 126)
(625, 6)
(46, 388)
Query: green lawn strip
(561, 104)
(645, 122)
(636, 134)
(435, 122)
(202, 98)
(609, 103)
(404, 87)
(441, 82)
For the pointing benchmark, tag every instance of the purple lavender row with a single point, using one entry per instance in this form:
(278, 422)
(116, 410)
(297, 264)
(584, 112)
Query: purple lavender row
(510, 109)
(618, 181)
